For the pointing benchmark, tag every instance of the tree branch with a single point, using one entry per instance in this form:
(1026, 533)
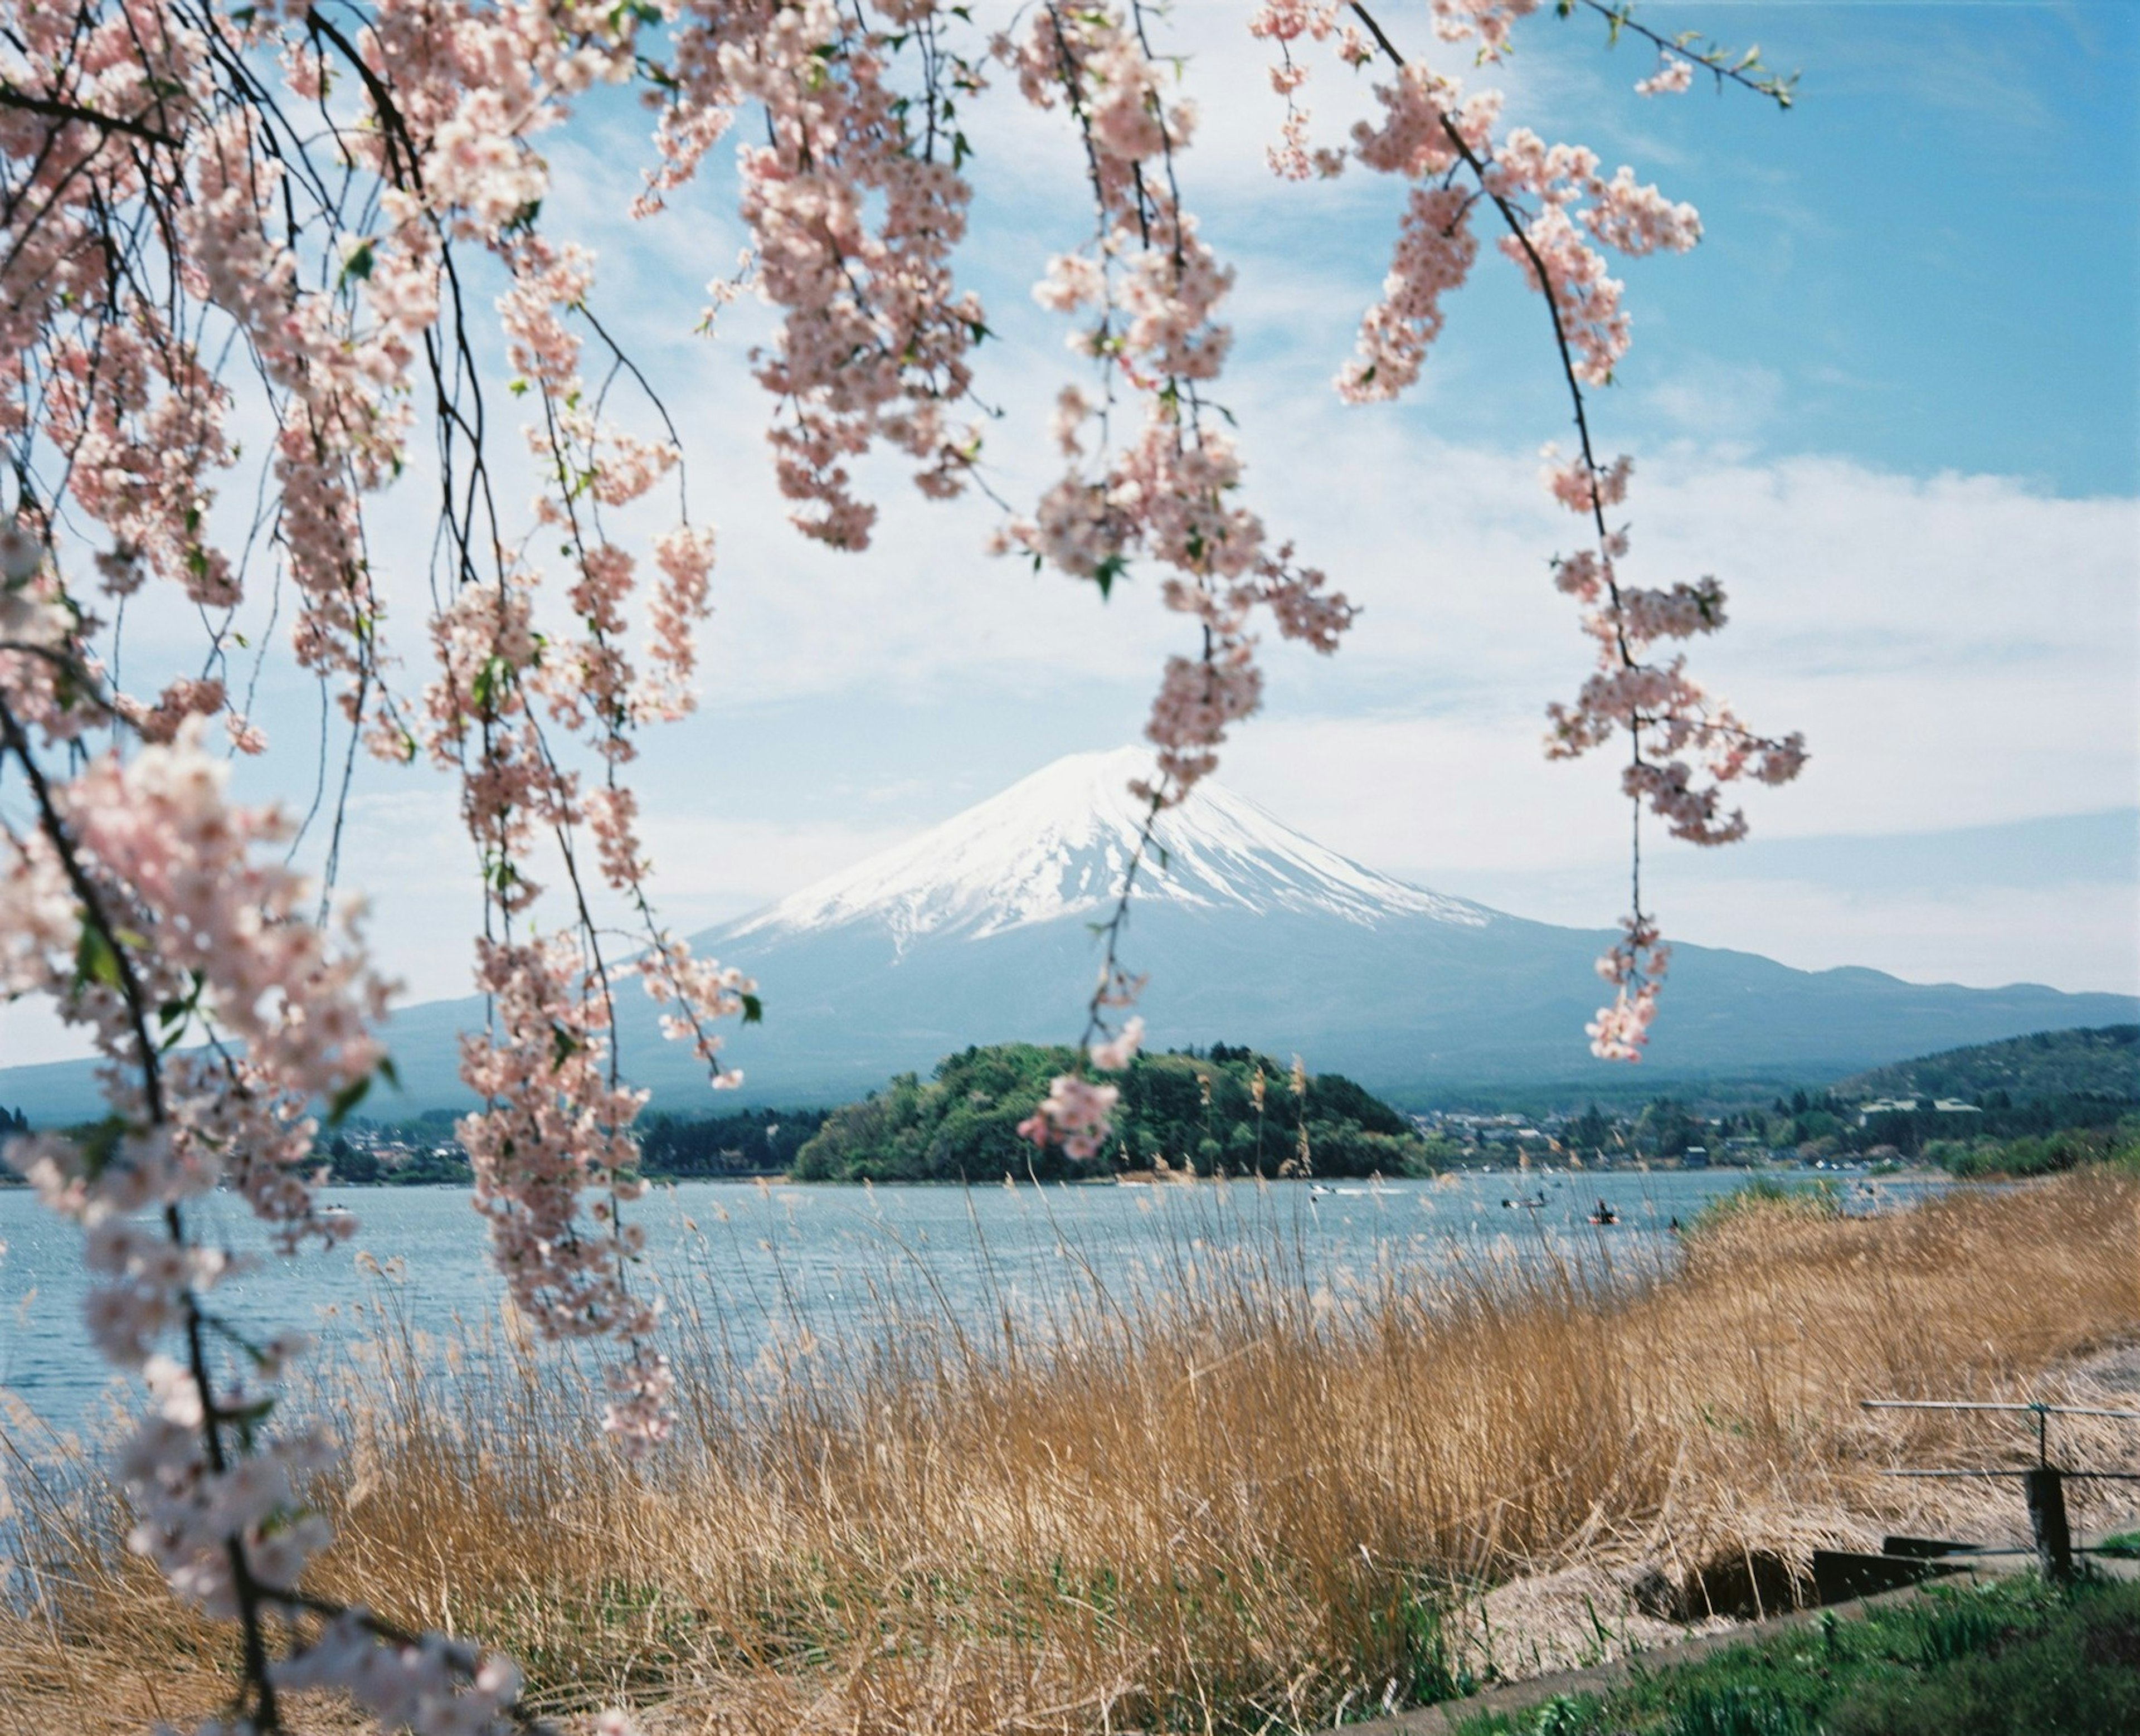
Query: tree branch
(53, 109)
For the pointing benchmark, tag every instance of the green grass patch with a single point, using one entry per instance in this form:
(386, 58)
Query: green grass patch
(2013, 1658)
(1765, 1194)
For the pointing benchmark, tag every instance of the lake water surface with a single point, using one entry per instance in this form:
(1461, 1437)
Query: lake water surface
(763, 1257)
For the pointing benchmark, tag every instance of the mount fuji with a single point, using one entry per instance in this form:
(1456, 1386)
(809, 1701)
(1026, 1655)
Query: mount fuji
(1054, 846)
(979, 930)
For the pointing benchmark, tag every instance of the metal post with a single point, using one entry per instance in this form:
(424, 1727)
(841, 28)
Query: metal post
(2046, 1517)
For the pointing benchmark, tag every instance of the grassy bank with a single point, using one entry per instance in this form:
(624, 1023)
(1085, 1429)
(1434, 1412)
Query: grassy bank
(1239, 1503)
(2005, 1658)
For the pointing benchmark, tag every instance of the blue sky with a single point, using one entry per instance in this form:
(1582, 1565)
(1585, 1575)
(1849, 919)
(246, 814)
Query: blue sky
(1929, 264)
(1890, 402)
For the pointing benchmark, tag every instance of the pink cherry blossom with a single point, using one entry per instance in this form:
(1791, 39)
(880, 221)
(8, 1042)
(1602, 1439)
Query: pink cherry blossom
(1074, 1115)
(1673, 75)
(1115, 1054)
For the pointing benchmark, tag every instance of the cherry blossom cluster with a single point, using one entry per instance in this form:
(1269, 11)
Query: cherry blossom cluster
(855, 202)
(1434, 251)
(1074, 1115)
(182, 863)
(185, 697)
(1456, 21)
(1118, 1051)
(638, 1415)
(233, 1532)
(1635, 967)
(1077, 1114)
(556, 1120)
(701, 990)
(1673, 76)
(685, 558)
(1560, 206)
(191, 1510)
(427, 1682)
(1686, 745)
(31, 618)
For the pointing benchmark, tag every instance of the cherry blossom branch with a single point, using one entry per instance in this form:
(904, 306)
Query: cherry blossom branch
(290, 221)
(1727, 64)
(114, 961)
(1642, 699)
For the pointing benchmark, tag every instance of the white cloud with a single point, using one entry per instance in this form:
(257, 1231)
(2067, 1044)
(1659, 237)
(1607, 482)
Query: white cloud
(2077, 938)
(423, 894)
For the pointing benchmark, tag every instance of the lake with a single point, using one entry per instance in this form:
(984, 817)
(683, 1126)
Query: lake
(759, 1256)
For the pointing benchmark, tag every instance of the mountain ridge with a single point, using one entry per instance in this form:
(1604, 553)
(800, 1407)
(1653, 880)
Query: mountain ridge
(2102, 1062)
(979, 931)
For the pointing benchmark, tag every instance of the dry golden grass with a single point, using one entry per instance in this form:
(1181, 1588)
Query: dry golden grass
(1242, 1508)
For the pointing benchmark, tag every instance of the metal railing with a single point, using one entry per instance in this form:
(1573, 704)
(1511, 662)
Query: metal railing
(2043, 1482)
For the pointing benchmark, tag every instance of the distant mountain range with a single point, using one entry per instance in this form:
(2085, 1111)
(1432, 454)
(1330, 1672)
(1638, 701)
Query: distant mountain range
(979, 931)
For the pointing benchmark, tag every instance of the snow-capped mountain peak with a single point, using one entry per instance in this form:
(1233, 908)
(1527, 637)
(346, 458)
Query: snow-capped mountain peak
(1055, 844)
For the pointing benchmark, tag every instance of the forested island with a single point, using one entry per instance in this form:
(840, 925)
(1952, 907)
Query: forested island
(1222, 1110)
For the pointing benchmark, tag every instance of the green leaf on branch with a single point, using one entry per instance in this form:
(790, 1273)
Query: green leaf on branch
(95, 958)
(347, 1099)
(563, 1045)
(753, 1010)
(491, 681)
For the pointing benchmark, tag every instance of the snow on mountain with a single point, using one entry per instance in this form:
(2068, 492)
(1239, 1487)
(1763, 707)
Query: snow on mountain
(1055, 844)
